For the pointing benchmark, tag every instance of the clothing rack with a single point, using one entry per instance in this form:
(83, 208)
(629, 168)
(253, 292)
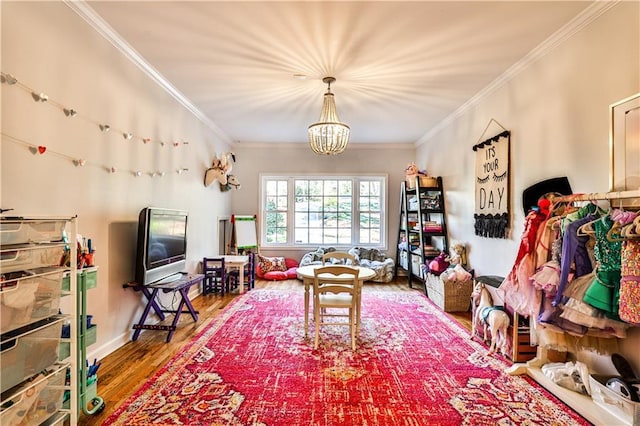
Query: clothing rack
(614, 195)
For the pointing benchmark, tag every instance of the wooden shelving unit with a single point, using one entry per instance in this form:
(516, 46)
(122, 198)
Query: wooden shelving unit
(422, 231)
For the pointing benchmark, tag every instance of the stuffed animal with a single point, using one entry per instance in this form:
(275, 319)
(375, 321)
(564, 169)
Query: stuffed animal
(220, 170)
(458, 255)
(438, 265)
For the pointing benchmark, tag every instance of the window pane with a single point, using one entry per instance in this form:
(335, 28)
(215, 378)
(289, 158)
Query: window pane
(344, 204)
(323, 210)
(331, 204)
(282, 187)
(315, 204)
(301, 219)
(302, 187)
(302, 204)
(271, 203)
(315, 187)
(331, 187)
(282, 203)
(344, 236)
(272, 186)
(302, 236)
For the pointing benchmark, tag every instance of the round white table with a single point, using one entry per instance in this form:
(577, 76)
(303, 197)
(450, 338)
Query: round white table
(306, 274)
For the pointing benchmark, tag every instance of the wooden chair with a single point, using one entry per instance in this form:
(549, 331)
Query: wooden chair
(345, 258)
(249, 274)
(215, 275)
(337, 288)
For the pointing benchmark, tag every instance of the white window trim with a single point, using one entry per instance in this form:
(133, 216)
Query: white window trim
(291, 219)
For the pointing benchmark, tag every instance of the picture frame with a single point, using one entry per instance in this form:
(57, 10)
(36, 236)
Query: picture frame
(624, 144)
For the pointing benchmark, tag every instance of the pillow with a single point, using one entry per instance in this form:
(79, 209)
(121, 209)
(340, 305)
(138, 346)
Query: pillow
(292, 273)
(275, 276)
(291, 263)
(268, 264)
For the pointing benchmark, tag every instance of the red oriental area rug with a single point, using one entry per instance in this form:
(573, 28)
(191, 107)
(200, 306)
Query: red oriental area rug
(413, 366)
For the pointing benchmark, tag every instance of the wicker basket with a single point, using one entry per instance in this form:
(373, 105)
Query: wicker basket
(450, 297)
(425, 181)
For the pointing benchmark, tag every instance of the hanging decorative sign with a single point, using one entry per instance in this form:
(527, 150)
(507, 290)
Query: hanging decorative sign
(492, 186)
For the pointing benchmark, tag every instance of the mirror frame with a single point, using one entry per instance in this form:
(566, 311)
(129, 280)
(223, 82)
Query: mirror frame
(622, 150)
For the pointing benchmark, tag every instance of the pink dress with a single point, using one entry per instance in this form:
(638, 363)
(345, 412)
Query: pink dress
(519, 292)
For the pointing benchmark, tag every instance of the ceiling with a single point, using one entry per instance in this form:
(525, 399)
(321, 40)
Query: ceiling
(401, 67)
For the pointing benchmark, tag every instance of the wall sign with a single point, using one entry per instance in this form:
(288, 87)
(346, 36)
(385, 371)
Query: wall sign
(492, 186)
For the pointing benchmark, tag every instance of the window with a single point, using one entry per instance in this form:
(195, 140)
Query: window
(323, 210)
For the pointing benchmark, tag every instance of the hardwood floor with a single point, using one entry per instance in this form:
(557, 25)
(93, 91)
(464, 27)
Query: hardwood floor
(124, 370)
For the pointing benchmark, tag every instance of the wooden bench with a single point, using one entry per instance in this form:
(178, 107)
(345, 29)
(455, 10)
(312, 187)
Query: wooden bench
(151, 291)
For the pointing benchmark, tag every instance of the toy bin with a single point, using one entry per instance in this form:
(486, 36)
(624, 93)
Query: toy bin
(29, 352)
(36, 400)
(30, 256)
(36, 231)
(449, 296)
(626, 410)
(29, 296)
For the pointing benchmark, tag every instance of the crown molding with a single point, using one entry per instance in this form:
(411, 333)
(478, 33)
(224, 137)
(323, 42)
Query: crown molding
(580, 21)
(86, 12)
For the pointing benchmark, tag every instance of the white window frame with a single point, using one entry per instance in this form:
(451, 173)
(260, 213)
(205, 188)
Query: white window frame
(290, 243)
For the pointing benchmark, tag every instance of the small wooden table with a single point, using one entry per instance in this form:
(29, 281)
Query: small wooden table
(306, 274)
(235, 261)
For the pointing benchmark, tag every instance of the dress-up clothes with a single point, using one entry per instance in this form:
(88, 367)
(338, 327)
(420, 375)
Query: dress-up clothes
(604, 291)
(574, 251)
(519, 293)
(629, 308)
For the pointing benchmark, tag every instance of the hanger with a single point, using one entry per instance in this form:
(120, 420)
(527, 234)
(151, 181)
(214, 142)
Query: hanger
(632, 230)
(624, 225)
(615, 233)
(586, 229)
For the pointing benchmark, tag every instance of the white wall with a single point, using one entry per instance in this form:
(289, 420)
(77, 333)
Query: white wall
(300, 159)
(557, 111)
(50, 49)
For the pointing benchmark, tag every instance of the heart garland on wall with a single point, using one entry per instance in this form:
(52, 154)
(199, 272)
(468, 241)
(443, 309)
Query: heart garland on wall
(42, 97)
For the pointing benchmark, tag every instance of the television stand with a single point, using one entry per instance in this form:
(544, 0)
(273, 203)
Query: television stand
(151, 291)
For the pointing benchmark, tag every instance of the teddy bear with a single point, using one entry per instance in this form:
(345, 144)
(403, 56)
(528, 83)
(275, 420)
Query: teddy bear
(457, 261)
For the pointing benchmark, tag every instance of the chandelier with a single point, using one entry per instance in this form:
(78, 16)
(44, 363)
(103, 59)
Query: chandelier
(328, 136)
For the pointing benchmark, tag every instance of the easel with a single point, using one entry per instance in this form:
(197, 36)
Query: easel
(244, 234)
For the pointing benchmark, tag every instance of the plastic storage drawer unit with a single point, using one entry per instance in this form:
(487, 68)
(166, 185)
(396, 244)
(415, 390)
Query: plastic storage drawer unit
(36, 400)
(30, 231)
(30, 256)
(27, 353)
(29, 296)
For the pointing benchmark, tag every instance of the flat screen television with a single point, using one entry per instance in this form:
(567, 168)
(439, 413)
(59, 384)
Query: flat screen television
(162, 244)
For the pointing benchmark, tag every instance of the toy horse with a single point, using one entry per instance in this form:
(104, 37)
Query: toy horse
(491, 317)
